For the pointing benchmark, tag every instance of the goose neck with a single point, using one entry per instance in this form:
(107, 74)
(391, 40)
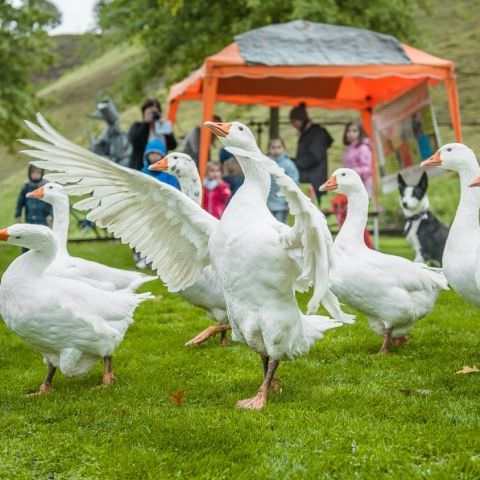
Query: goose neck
(61, 220)
(352, 230)
(191, 186)
(467, 212)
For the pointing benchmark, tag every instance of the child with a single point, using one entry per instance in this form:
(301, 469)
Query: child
(278, 204)
(357, 154)
(36, 211)
(216, 192)
(155, 151)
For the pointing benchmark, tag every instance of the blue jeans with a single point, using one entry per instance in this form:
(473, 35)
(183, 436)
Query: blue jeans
(281, 215)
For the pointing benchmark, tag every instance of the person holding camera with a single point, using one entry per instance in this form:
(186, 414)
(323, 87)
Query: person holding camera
(153, 126)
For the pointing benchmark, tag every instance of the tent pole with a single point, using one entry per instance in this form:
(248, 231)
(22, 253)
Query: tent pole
(454, 106)
(208, 100)
(172, 111)
(274, 122)
(367, 123)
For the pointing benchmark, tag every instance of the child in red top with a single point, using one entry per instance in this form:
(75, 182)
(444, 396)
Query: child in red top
(216, 192)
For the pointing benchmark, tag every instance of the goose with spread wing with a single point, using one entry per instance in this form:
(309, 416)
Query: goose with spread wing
(70, 322)
(206, 292)
(94, 273)
(259, 261)
(391, 291)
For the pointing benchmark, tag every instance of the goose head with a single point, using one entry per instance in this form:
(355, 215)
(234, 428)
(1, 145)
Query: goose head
(343, 180)
(50, 192)
(33, 237)
(233, 134)
(452, 156)
(179, 164)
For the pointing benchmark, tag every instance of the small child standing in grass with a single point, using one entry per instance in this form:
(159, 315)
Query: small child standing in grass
(278, 204)
(36, 211)
(216, 192)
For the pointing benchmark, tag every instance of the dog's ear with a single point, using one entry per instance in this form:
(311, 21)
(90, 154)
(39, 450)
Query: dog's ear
(401, 183)
(423, 182)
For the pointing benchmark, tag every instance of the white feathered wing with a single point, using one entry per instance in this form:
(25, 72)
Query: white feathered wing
(135, 207)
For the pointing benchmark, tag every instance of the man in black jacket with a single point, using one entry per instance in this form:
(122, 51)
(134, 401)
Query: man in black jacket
(153, 126)
(313, 143)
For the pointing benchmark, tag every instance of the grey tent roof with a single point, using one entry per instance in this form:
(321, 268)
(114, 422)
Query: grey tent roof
(302, 42)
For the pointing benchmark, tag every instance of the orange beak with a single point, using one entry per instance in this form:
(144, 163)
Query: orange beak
(475, 183)
(39, 193)
(219, 129)
(4, 234)
(329, 185)
(159, 166)
(434, 161)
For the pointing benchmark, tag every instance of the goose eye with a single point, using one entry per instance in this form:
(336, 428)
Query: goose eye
(18, 237)
(240, 128)
(343, 174)
(175, 157)
(449, 149)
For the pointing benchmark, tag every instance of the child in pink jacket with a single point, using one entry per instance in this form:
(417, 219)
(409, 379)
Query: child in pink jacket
(357, 154)
(216, 192)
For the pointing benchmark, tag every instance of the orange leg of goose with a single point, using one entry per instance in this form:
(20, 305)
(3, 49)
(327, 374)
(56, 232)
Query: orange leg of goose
(387, 341)
(260, 399)
(204, 335)
(108, 376)
(46, 386)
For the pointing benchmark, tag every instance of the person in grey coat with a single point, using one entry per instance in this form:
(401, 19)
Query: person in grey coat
(313, 143)
(276, 203)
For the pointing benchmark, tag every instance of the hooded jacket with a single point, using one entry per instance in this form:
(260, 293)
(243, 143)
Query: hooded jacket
(156, 145)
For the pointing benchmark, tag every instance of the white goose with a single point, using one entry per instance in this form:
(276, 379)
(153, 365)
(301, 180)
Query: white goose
(64, 265)
(255, 257)
(462, 247)
(71, 323)
(391, 291)
(207, 291)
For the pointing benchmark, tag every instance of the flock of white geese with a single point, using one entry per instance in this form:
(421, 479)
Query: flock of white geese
(244, 269)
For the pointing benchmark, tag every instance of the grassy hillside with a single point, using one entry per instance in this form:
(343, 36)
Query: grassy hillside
(449, 30)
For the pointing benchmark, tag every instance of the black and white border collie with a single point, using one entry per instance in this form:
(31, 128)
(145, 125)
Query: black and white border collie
(425, 233)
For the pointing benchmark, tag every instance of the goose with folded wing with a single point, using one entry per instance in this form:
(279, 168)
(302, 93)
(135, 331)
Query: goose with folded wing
(259, 261)
(391, 291)
(70, 322)
(94, 273)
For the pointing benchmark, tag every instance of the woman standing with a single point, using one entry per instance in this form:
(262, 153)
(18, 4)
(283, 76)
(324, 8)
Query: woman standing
(313, 143)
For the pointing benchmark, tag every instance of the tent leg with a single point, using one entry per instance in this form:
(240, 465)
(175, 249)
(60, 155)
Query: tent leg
(274, 122)
(367, 123)
(172, 111)
(454, 107)
(209, 95)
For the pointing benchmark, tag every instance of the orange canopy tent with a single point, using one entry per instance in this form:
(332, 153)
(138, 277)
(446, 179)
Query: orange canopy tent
(228, 77)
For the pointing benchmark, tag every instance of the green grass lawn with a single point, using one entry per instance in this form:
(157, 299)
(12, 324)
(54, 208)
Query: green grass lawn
(343, 412)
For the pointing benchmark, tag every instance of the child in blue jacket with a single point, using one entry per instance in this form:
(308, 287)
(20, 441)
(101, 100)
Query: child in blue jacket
(155, 151)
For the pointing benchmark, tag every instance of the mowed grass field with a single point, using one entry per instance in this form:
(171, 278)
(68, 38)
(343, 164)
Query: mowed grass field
(343, 412)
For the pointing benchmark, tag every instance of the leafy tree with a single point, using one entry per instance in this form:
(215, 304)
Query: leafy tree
(178, 34)
(24, 49)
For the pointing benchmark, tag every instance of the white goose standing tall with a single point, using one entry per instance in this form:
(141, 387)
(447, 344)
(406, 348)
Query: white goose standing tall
(260, 262)
(392, 291)
(462, 248)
